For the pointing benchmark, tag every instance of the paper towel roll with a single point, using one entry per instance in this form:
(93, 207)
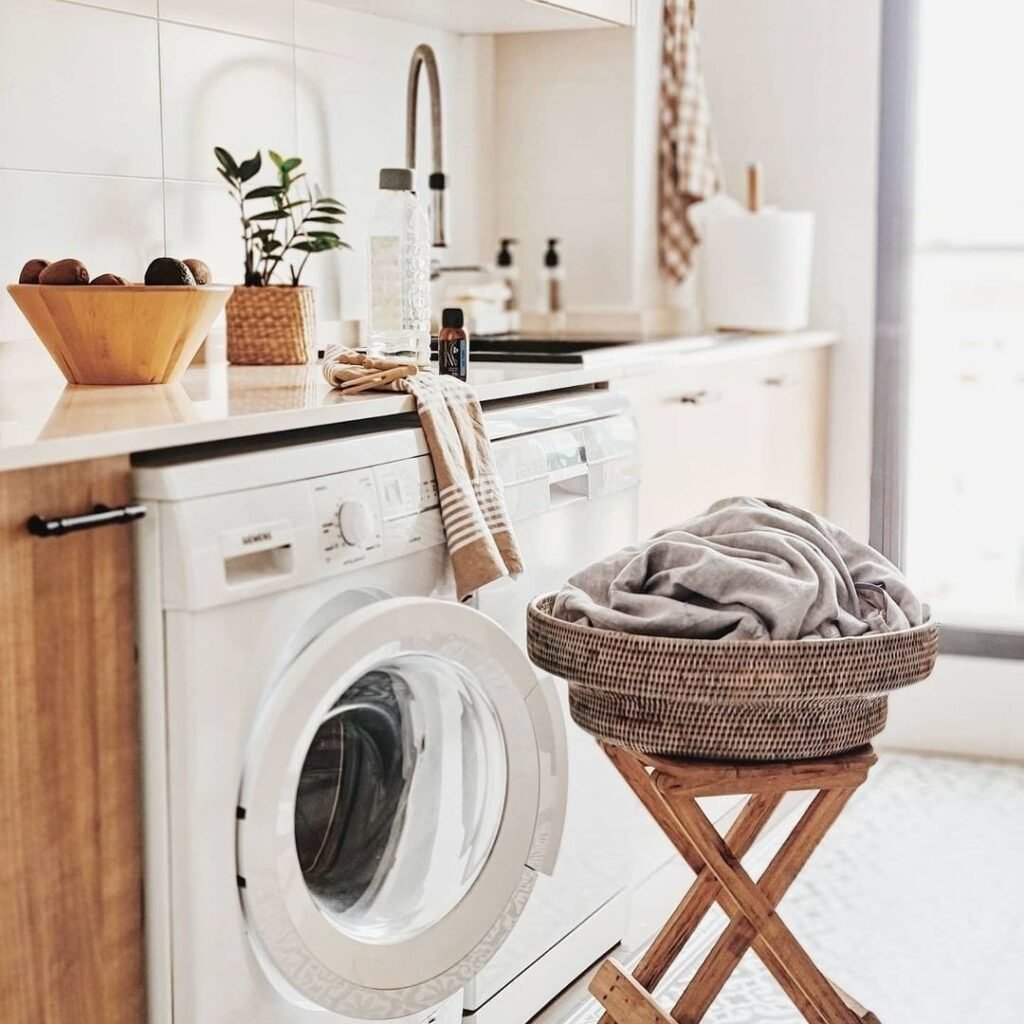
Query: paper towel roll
(757, 270)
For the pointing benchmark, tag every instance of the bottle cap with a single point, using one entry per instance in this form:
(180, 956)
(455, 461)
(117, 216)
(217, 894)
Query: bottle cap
(452, 317)
(504, 255)
(396, 179)
(551, 256)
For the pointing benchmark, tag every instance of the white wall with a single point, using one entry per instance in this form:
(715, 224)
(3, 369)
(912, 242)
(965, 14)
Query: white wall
(564, 158)
(109, 113)
(970, 706)
(794, 84)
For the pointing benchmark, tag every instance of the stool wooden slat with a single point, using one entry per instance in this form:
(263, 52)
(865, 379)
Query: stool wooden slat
(669, 789)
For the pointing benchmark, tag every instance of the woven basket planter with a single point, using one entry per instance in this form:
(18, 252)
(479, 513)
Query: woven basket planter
(729, 700)
(271, 326)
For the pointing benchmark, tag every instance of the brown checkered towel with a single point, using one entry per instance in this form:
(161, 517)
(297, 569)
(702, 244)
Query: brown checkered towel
(688, 166)
(481, 543)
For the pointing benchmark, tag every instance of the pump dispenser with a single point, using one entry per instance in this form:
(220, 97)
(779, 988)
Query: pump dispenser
(552, 279)
(508, 272)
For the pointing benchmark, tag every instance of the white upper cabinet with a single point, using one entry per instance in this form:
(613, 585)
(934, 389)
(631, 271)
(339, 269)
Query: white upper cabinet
(498, 16)
(613, 12)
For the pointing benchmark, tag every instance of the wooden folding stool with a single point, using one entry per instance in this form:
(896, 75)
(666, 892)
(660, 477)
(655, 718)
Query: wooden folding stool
(668, 789)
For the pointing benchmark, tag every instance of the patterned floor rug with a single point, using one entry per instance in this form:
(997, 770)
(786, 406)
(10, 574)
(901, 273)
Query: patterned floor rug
(914, 903)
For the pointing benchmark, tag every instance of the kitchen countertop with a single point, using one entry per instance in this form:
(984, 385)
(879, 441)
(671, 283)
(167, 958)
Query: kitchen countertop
(43, 421)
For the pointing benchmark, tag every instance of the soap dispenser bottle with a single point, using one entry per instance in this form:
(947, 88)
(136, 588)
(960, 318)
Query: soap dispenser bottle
(507, 271)
(552, 280)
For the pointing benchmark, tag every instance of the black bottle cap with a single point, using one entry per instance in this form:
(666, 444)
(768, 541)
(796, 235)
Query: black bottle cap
(504, 255)
(551, 256)
(452, 317)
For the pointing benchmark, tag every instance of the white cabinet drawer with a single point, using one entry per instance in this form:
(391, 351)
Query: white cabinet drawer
(754, 426)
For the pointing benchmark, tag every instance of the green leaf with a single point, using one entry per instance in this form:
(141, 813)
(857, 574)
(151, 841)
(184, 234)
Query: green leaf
(264, 192)
(233, 182)
(289, 165)
(251, 167)
(275, 158)
(322, 234)
(269, 215)
(324, 220)
(226, 160)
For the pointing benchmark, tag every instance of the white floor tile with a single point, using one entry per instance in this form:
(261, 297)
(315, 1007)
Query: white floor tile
(913, 904)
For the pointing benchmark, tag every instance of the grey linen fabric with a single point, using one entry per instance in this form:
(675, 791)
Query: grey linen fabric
(747, 569)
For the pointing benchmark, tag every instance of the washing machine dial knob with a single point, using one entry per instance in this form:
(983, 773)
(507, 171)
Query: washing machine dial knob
(355, 522)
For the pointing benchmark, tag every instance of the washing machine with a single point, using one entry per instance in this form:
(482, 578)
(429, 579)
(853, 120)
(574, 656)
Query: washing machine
(352, 782)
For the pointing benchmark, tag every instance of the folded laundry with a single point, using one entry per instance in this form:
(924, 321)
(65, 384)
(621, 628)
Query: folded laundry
(746, 569)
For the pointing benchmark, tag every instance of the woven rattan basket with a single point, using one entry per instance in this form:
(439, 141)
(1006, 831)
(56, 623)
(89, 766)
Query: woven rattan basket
(729, 700)
(273, 325)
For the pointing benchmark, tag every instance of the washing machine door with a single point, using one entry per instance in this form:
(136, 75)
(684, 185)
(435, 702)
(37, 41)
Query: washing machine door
(404, 783)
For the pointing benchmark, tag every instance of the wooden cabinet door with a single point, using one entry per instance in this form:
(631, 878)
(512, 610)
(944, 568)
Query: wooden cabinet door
(70, 875)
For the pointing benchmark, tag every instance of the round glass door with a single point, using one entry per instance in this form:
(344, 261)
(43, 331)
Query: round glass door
(400, 797)
(401, 790)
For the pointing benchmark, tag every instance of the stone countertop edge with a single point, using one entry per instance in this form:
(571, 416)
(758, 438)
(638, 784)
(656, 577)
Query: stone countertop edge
(43, 421)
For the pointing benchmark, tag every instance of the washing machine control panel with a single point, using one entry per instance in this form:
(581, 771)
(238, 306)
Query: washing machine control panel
(348, 518)
(409, 506)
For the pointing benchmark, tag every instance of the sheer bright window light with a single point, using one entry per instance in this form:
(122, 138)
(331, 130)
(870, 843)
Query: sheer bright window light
(965, 493)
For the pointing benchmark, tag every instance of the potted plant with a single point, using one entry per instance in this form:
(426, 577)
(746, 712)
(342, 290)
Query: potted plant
(268, 321)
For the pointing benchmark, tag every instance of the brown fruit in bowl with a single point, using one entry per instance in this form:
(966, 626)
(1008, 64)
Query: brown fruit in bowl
(108, 279)
(64, 272)
(200, 271)
(31, 271)
(166, 271)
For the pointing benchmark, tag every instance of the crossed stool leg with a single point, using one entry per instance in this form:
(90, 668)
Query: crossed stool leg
(669, 790)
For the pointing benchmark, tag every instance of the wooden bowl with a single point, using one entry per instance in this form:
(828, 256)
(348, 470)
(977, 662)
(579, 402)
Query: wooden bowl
(120, 334)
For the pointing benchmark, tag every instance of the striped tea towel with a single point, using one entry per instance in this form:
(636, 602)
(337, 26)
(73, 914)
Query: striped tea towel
(481, 543)
(688, 166)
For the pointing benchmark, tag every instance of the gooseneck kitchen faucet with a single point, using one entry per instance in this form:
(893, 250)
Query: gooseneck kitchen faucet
(423, 57)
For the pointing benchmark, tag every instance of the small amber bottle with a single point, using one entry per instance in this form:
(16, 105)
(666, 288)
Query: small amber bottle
(453, 345)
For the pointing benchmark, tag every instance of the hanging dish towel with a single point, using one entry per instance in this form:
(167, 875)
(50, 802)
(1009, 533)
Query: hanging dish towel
(688, 167)
(481, 543)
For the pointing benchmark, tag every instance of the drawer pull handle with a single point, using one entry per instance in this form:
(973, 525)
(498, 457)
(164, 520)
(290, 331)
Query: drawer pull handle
(695, 397)
(780, 381)
(101, 515)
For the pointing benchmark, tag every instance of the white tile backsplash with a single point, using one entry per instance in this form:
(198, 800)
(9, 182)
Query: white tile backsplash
(264, 19)
(79, 90)
(147, 8)
(564, 163)
(110, 109)
(223, 90)
(113, 225)
(203, 222)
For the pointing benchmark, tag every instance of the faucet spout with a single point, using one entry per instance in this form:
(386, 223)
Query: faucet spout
(423, 57)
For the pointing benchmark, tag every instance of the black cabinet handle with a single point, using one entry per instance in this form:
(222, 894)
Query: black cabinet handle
(101, 515)
(699, 397)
